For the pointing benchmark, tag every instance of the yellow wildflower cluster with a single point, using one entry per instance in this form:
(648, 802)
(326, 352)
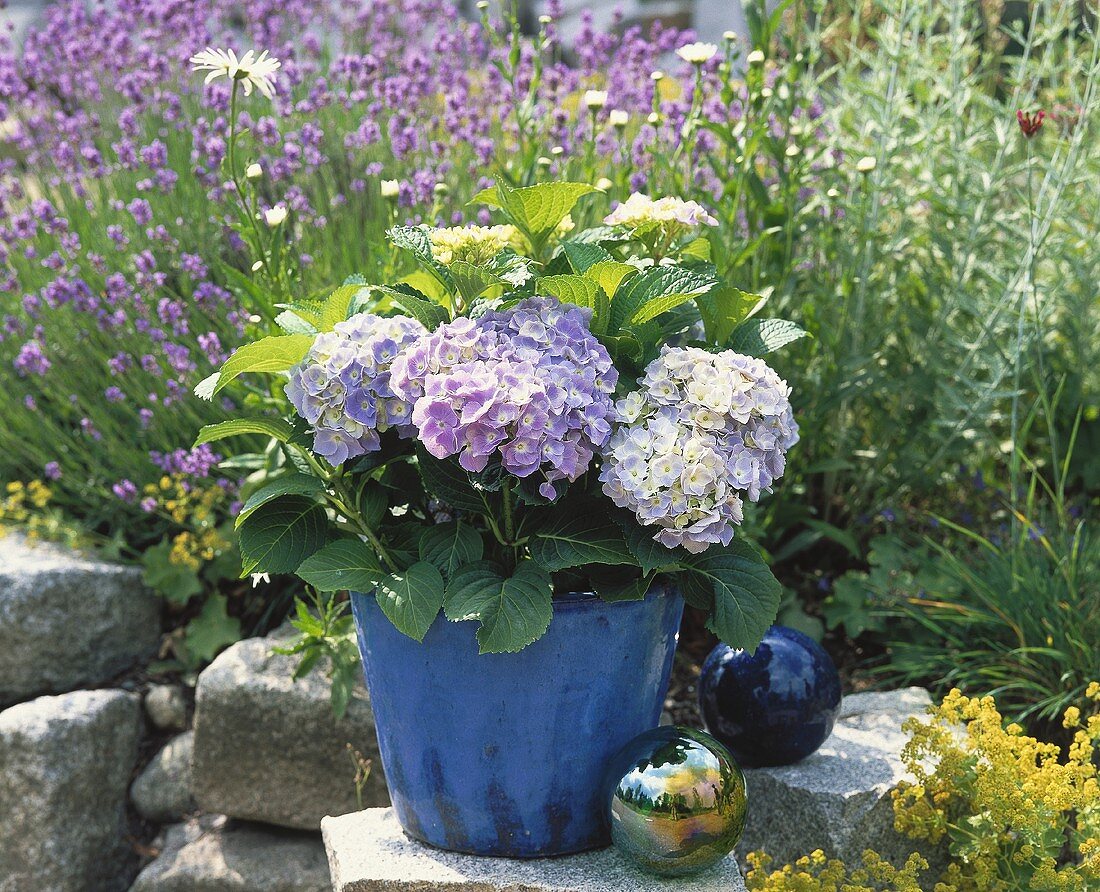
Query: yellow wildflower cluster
(1015, 814)
(196, 507)
(816, 873)
(1005, 802)
(474, 244)
(27, 506)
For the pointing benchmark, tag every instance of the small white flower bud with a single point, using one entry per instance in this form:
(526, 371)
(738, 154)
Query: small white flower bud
(657, 75)
(756, 57)
(866, 164)
(604, 184)
(731, 36)
(618, 117)
(653, 118)
(557, 150)
(257, 266)
(274, 216)
(595, 99)
(253, 171)
(390, 188)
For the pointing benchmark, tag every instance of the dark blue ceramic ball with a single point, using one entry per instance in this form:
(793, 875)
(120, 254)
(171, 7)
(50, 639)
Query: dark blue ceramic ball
(774, 706)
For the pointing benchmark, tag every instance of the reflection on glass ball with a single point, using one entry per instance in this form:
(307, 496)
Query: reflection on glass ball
(774, 706)
(675, 801)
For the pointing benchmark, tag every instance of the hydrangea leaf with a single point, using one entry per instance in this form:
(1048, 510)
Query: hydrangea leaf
(294, 323)
(417, 305)
(417, 240)
(411, 598)
(287, 484)
(581, 291)
(725, 308)
(338, 305)
(657, 291)
(471, 280)
(281, 534)
(578, 538)
(535, 210)
(746, 594)
(650, 554)
(610, 274)
(446, 480)
(275, 428)
(582, 255)
(514, 610)
(273, 354)
(346, 564)
(757, 337)
(450, 546)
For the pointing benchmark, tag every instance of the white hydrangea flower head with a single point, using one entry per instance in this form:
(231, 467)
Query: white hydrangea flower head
(474, 244)
(640, 210)
(251, 70)
(704, 431)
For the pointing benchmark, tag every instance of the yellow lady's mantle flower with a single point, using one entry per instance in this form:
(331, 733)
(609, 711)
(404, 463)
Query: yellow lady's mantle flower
(251, 70)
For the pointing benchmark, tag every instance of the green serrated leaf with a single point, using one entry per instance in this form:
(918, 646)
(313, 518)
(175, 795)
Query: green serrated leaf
(536, 210)
(758, 337)
(723, 309)
(288, 484)
(175, 582)
(656, 291)
(746, 594)
(576, 539)
(472, 280)
(610, 274)
(450, 546)
(583, 256)
(337, 306)
(346, 564)
(448, 482)
(416, 304)
(281, 534)
(274, 354)
(650, 554)
(417, 240)
(270, 427)
(514, 611)
(412, 598)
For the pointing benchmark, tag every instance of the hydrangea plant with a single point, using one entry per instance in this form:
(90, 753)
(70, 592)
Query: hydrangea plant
(536, 410)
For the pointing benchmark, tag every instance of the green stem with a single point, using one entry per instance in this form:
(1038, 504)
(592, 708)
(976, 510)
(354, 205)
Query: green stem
(509, 520)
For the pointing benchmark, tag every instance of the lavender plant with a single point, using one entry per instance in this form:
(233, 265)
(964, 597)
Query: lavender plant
(460, 448)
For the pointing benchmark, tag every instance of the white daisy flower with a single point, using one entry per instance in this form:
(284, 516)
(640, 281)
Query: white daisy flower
(250, 69)
(697, 53)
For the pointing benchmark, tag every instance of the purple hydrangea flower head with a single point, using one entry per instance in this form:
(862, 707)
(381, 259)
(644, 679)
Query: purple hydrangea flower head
(529, 383)
(342, 387)
(703, 430)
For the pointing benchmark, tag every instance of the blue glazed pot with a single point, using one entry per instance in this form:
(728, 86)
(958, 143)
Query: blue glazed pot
(504, 754)
(774, 706)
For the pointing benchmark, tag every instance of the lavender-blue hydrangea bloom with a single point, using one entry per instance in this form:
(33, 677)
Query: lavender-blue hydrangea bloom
(704, 429)
(529, 383)
(342, 386)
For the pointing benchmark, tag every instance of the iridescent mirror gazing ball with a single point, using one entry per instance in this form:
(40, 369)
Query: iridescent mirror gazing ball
(774, 706)
(675, 801)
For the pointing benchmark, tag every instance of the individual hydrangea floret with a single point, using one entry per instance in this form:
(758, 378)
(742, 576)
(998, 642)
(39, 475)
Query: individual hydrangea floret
(703, 430)
(641, 210)
(529, 383)
(473, 244)
(342, 386)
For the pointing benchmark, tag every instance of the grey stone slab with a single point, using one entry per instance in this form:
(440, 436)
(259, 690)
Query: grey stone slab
(162, 792)
(368, 852)
(67, 620)
(837, 799)
(268, 748)
(216, 855)
(65, 763)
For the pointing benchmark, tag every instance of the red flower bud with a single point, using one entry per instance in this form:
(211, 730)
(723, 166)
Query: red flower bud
(1030, 124)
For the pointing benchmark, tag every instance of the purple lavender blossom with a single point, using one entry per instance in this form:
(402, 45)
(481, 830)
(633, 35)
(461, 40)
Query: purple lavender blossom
(529, 383)
(703, 429)
(342, 387)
